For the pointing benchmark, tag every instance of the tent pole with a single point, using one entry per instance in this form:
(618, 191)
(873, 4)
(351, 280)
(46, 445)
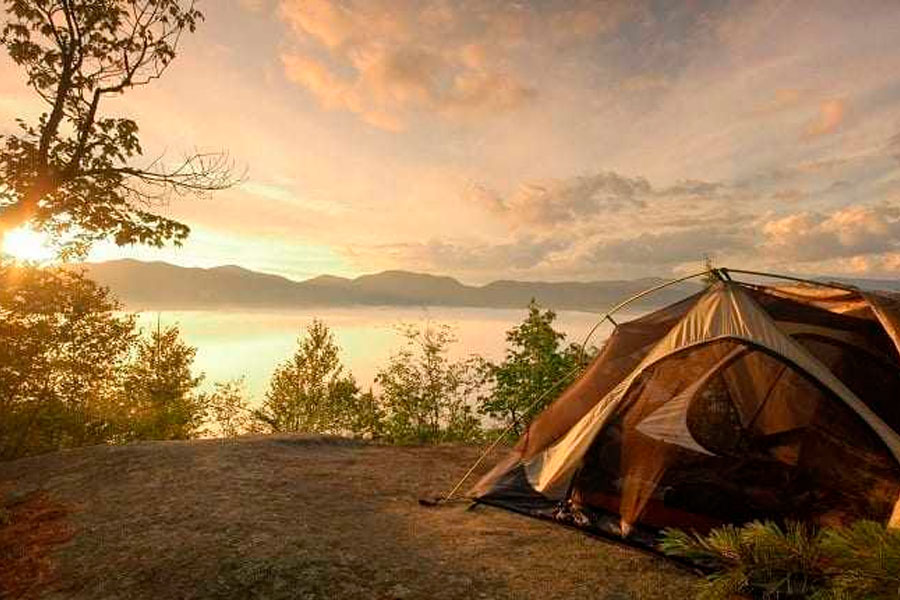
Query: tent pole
(504, 433)
(606, 316)
(627, 301)
(837, 286)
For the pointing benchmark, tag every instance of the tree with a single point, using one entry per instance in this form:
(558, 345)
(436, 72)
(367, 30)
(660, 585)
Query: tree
(160, 389)
(310, 392)
(364, 417)
(71, 172)
(424, 395)
(228, 414)
(63, 347)
(533, 372)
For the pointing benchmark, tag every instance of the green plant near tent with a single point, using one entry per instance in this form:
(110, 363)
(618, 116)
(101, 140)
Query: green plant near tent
(536, 362)
(765, 560)
(865, 560)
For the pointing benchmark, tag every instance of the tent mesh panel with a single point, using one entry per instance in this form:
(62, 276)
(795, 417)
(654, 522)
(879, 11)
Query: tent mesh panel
(756, 439)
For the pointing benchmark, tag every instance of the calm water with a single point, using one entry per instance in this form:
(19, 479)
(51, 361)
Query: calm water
(253, 343)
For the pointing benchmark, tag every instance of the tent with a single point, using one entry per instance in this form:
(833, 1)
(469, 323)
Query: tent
(741, 402)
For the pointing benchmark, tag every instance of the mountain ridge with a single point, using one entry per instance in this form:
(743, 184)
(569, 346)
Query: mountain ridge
(160, 285)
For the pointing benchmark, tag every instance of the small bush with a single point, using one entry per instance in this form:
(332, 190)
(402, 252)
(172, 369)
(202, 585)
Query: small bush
(765, 560)
(865, 560)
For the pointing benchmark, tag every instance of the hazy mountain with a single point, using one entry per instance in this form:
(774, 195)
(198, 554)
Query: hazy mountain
(158, 285)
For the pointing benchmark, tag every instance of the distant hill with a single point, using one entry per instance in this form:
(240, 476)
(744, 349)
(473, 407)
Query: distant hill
(159, 285)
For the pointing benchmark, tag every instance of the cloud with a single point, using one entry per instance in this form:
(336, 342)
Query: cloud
(847, 232)
(644, 83)
(387, 61)
(783, 99)
(255, 6)
(615, 220)
(329, 88)
(685, 245)
(566, 201)
(583, 21)
(608, 199)
(831, 115)
(522, 254)
(893, 147)
(694, 187)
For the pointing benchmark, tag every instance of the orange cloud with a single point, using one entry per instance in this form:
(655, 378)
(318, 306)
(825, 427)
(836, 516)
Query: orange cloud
(386, 60)
(328, 88)
(323, 20)
(831, 115)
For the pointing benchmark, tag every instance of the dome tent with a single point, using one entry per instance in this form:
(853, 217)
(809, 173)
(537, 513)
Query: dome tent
(740, 402)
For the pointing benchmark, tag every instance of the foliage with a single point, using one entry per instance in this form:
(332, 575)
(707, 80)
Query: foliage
(160, 389)
(63, 348)
(535, 371)
(74, 370)
(310, 392)
(70, 173)
(228, 413)
(425, 396)
(764, 560)
(363, 416)
(760, 559)
(865, 560)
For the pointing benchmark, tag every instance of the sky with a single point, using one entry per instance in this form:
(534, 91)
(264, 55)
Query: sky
(494, 139)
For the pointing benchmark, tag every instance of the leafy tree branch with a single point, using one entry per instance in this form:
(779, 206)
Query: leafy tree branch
(73, 172)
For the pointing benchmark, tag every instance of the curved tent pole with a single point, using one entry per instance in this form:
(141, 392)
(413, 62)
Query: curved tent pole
(503, 434)
(606, 316)
(609, 313)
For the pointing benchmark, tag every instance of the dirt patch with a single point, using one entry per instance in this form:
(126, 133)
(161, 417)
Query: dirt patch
(292, 517)
(31, 527)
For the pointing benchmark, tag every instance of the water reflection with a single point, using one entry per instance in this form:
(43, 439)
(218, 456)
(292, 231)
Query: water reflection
(252, 343)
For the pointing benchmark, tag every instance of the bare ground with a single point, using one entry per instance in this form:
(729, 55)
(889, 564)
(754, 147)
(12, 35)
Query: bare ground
(299, 517)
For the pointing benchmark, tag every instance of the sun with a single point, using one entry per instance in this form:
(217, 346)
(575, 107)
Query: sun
(24, 244)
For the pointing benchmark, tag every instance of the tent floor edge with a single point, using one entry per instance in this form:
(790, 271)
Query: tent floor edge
(633, 543)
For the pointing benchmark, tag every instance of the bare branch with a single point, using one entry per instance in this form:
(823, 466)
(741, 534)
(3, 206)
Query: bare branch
(197, 173)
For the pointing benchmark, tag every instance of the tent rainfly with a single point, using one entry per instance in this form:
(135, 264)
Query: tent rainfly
(741, 402)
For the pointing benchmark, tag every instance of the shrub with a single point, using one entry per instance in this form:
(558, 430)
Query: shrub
(311, 392)
(426, 397)
(161, 390)
(765, 560)
(63, 346)
(865, 560)
(535, 371)
(228, 413)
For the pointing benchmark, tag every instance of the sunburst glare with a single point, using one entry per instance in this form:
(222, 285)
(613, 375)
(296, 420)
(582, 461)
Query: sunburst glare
(25, 244)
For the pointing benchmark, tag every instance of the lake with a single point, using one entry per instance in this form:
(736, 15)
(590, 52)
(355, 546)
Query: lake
(252, 343)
